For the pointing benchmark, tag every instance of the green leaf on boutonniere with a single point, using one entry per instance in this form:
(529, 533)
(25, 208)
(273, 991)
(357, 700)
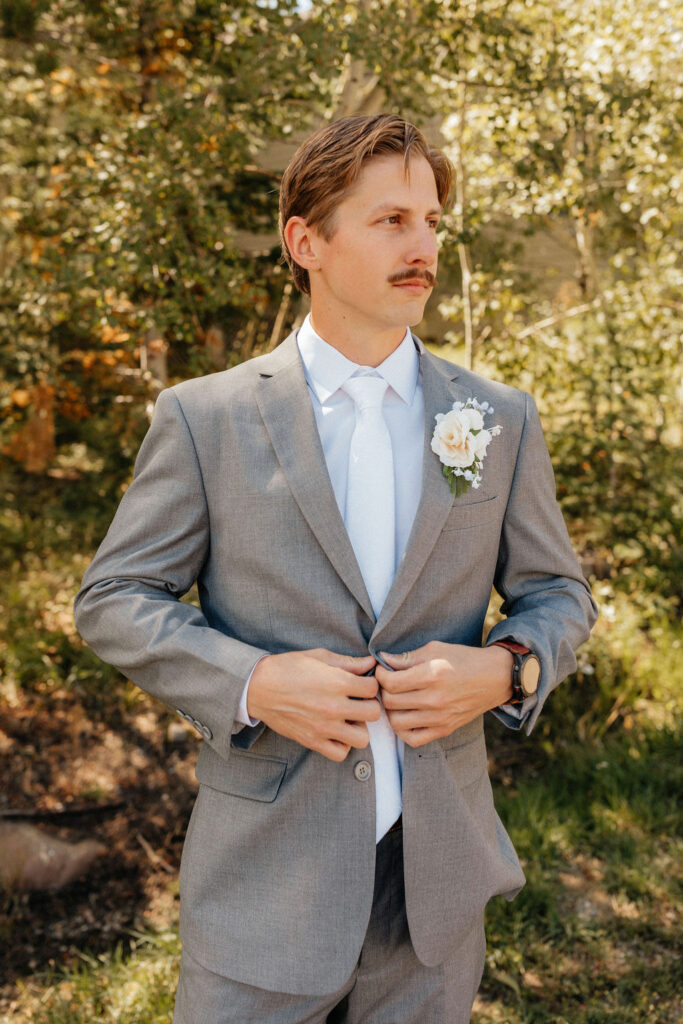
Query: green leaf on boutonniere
(457, 484)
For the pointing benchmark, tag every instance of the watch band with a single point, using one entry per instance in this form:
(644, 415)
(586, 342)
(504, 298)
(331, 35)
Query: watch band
(511, 645)
(519, 652)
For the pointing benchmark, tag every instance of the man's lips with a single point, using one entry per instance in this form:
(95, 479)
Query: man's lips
(417, 285)
(412, 281)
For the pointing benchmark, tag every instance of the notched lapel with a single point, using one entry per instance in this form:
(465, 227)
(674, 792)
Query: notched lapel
(287, 411)
(440, 391)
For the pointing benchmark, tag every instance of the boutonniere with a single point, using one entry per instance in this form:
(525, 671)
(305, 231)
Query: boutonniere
(460, 440)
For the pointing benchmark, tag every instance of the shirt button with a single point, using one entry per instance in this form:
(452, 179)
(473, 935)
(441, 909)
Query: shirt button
(362, 770)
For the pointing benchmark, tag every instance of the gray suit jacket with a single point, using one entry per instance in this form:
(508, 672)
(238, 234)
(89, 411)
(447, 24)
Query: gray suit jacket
(231, 490)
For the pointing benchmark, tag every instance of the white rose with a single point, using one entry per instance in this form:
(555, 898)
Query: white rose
(452, 440)
(474, 418)
(480, 443)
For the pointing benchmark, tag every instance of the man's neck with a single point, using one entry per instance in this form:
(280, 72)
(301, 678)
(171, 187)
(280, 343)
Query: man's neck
(367, 347)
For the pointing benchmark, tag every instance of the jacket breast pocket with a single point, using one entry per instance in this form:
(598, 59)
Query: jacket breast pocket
(251, 776)
(474, 513)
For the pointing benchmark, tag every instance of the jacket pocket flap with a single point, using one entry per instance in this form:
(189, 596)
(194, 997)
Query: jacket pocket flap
(251, 776)
(468, 762)
(464, 750)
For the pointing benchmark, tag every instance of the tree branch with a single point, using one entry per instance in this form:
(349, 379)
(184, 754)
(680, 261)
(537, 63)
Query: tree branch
(551, 321)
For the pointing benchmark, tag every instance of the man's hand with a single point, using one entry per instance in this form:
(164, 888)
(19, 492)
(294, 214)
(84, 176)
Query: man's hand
(318, 698)
(440, 687)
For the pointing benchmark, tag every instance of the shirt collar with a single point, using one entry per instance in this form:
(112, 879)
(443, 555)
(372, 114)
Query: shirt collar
(327, 369)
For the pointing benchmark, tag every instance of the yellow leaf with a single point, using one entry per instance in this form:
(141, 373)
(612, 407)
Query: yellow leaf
(111, 335)
(64, 74)
(21, 397)
(104, 68)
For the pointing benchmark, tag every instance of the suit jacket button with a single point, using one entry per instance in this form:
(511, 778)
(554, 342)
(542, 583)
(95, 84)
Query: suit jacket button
(206, 732)
(362, 770)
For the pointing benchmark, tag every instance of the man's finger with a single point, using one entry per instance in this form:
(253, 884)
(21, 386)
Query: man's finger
(347, 662)
(364, 711)
(403, 721)
(356, 735)
(408, 700)
(361, 686)
(417, 737)
(333, 750)
(401, 680)
(405, 660)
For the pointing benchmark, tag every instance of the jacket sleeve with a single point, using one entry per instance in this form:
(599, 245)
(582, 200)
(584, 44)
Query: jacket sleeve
(546, 599)
(128, 608)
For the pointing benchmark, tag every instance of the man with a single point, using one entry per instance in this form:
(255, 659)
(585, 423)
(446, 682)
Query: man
(344, 843)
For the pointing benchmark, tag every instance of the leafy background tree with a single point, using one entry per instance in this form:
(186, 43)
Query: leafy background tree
(141, 146)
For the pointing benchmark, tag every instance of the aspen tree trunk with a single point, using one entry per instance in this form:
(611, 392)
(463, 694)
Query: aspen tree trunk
(584, 137)
(463, 248)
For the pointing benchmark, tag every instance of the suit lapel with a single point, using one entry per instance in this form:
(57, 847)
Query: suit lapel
(287, 411)
(440, 392)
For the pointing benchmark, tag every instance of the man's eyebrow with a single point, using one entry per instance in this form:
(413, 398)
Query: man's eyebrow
(394, 208)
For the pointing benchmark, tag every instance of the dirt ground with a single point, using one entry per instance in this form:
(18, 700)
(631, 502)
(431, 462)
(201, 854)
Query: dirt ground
(129, 784)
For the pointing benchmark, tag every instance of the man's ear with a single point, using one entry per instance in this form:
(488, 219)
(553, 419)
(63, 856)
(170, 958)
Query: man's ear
(301, 242)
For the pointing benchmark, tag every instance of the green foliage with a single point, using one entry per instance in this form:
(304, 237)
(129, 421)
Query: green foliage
(570, 259)
(631, 665)
(129, 162)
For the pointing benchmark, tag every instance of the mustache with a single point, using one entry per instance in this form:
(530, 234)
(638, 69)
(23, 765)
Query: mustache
(414, 275)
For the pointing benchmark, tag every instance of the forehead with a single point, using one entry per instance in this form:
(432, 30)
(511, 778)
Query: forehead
(388, 181)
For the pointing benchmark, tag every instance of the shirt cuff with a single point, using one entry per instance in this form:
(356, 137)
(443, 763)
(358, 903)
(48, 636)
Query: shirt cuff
(243, 717)
(515, 715)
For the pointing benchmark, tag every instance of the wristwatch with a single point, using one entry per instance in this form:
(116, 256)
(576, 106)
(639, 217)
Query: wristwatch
(526, 670)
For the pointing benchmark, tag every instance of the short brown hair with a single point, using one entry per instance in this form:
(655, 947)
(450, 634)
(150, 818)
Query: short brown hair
(328, 163)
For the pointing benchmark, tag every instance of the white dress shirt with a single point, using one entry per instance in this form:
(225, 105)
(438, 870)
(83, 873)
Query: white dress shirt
(327, 370)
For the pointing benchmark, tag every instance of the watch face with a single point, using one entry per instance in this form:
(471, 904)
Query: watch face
(530, 674)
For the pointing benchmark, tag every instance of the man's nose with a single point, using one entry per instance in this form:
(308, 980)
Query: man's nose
(423, 248)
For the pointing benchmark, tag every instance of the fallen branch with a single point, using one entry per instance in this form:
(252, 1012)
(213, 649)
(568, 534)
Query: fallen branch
(72, 811)
(153, 856)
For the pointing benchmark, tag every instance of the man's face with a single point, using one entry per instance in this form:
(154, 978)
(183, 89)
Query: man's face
(378, 269)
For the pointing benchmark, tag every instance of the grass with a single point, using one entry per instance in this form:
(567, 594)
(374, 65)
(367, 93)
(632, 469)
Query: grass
(592, 938)
(135, 986)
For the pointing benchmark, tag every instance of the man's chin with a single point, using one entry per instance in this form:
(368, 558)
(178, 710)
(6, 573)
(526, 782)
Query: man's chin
(413, 317)
(412, 310)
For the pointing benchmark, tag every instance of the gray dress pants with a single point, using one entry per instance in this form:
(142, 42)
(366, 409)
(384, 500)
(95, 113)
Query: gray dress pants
(388, 986)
